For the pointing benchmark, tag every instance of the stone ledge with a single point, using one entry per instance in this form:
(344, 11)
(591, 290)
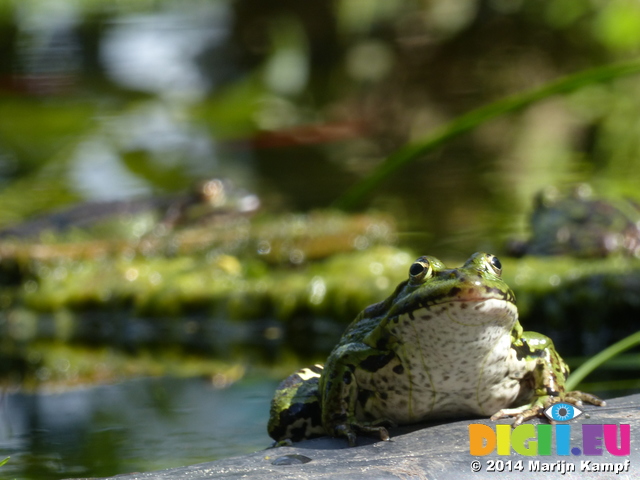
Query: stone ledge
(436, 451)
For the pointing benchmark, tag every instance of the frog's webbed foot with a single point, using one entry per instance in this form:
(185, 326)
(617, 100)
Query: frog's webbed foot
(349, 430)
(537, 407)
(576, 397)
(521, 414)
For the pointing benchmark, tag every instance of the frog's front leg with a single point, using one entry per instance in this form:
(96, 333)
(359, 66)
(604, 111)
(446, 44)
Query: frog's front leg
(340, 394)
(545, 381)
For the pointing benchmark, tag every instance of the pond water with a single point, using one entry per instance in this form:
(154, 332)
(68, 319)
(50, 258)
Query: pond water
(137, 425)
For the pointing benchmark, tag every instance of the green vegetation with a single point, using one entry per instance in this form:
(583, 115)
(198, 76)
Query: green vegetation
(471, 120)
(601, 358)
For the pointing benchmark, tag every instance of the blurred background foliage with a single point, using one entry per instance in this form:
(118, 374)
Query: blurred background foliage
(106, 100)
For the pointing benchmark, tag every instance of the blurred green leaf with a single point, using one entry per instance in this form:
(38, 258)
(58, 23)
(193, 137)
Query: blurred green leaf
(171, 177)
(562, 13)
(618, 24)
(597, 360)
(474, 118)
(231, 112)
(33, 130)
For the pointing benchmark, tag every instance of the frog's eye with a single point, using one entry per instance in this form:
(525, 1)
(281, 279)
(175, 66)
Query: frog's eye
(496, 265)
(562, 412)
(419, 270)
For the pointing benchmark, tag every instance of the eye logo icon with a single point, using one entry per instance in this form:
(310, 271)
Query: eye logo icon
(562, 412)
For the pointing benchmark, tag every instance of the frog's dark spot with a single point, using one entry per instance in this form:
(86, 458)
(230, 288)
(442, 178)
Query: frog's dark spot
(363, 396)
(298, 433)
(309, 411)
(384, 395)
(446, 377)
(454, 291)
(374, 363)
(306, 410)
(402, 403)
(395, 319)
(471, 291)
(346, 378)
(378, 308)
(524, 350)
(381, 344)
(478, 306)
(399, 369)
(463, 305)
(339, 417)
(497, 292)
(426, 317)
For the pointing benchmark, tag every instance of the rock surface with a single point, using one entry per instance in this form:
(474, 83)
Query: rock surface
(436, 451)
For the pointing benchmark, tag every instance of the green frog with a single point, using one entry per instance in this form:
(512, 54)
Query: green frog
(581, 225)
(447, 343)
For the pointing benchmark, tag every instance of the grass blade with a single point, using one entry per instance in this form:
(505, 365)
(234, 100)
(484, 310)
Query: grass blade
(474, 118)
(594, 362)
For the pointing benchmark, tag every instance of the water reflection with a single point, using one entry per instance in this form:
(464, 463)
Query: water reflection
(138, 425)
(48, 47)
(158, 52)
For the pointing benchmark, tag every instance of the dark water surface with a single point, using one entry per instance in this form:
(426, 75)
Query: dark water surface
(138, 425)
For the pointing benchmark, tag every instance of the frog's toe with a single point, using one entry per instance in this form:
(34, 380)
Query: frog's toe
(348, 431)
(520, 414)
(576, 397)
(374, 431)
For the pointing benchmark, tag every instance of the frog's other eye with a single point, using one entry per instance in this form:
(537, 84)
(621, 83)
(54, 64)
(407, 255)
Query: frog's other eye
(496, 265)
(419, 270)
(562, 412)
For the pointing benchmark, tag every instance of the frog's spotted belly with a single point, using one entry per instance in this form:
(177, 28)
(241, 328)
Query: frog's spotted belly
(458, 361)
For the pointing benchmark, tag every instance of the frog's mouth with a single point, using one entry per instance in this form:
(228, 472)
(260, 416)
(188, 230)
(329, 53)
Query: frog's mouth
(471, 293)
(474, 310)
